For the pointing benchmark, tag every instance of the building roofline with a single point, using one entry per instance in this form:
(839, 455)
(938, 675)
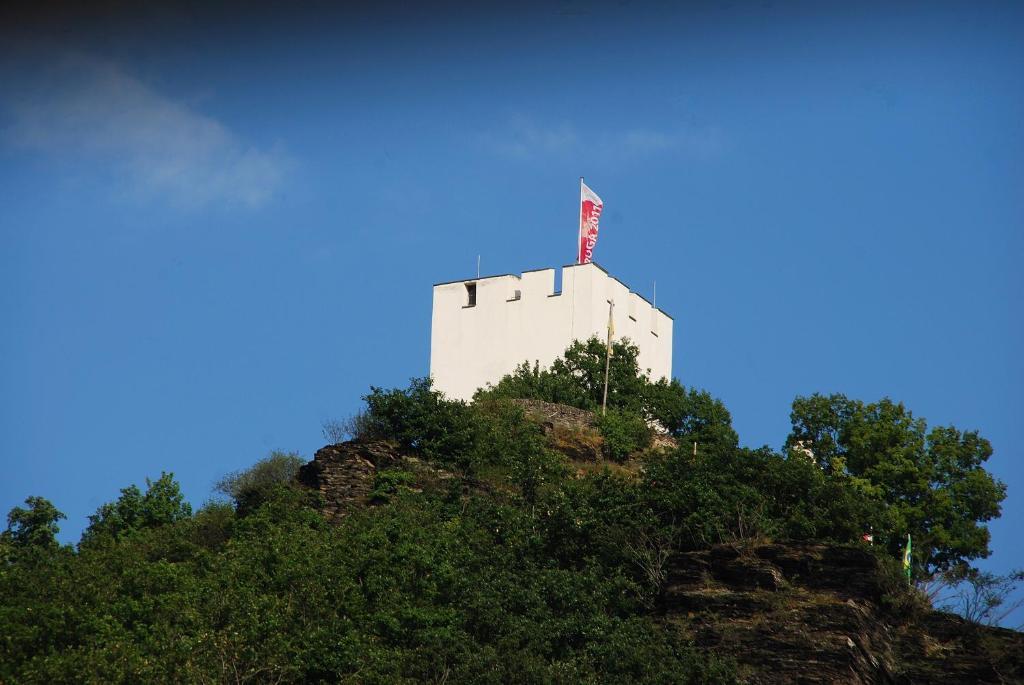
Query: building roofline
(475, 279)
(617, 280)
(572, 266)
(551, 268)
(644, 299)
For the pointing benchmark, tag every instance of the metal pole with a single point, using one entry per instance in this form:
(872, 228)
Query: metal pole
(579, 234)
(478, 266)
(607, 360)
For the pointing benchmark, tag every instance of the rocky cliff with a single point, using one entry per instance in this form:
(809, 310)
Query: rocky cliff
(786, 613)
(805, 613)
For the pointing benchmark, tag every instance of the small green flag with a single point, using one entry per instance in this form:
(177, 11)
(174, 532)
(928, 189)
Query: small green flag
(906, 558)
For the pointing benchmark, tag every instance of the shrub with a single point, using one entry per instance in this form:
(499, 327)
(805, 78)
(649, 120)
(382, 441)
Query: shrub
(624, 434)
(689, 414)
(162, 504)
(252, 486)
(389, 482)
(577, 379)
(422, 420)
(35, 527)
(507, 438)
(212, 524)
(354, 427)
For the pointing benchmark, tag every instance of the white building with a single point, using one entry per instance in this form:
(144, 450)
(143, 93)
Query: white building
(483, 328)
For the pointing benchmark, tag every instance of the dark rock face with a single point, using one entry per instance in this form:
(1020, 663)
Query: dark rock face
(344, 474)
(948, 649)
(807, 613)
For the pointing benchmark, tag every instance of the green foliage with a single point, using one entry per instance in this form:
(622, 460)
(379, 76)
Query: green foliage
(33, 528)
(933, 483)
(213, 524)
(504, 437)
(902, 601)
(423, 421)
(577, 378)
(534, 383)
(690, 415)
(389, 482)
(252, 486)
(513, 571)
(424, 589)
(161, 505)
(624, 434)
(727, 494)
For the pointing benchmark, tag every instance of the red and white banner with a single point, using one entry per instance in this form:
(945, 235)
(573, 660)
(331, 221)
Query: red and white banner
(590, 213)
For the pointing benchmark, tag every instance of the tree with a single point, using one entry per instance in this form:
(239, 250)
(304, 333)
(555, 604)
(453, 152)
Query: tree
(35, 527)
(585, 362)
(162, 504)
(421, 420)
(986, 598)
(577, 378)
(505, 437)
(624, 434)
(933, 483)
(691, 415)
(251, 487)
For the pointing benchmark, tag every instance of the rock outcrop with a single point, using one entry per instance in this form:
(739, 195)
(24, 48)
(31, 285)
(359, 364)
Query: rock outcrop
(346, 474)
(786, 613)
(810, 613)
(573, 432)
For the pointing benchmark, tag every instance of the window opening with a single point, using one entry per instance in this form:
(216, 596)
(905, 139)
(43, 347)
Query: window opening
(471, 294)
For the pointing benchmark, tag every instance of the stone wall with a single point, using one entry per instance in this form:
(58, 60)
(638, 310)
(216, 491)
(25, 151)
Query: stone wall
(344, 474)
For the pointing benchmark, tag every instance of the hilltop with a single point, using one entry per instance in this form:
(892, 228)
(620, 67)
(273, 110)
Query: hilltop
(779, 612)
(527, 536)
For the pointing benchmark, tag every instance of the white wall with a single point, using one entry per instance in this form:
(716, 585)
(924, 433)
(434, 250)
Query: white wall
(473, 346)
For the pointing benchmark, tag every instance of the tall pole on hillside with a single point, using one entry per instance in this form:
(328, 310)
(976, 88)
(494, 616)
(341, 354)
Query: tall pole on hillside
(608, 357)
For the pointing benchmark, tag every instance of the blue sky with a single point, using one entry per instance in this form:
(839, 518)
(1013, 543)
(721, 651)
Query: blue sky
(220, 227)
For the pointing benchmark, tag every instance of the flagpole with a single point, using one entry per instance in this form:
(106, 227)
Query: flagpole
(579, 233)
(607, 359)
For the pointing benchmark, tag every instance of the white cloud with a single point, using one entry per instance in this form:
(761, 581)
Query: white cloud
(523, 138)
(87, 108)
